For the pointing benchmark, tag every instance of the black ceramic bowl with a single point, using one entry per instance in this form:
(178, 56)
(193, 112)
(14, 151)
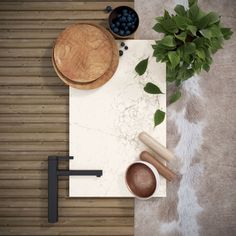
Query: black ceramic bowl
(123, 21)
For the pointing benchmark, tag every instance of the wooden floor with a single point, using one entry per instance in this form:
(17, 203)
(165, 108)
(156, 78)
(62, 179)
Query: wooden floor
(34, 124)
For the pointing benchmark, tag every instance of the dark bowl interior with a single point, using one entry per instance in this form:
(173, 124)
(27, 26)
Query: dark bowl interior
(123, 21)
(141, 180)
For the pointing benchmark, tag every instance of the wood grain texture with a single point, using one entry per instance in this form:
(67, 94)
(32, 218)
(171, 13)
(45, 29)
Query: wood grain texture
(83, 52)
(34, 123)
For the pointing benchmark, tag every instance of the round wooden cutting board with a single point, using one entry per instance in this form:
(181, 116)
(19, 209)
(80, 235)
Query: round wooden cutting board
(83, 52)
(102, 79)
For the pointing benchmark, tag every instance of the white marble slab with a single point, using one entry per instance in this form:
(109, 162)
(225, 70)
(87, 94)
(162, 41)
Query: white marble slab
(105, 123)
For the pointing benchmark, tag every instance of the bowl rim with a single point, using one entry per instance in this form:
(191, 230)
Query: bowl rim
(154, 171)
(109, 20)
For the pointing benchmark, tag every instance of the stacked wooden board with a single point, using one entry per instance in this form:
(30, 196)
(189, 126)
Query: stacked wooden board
(34, 124)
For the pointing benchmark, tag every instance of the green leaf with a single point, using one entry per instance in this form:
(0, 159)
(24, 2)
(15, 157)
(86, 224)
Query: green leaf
(159, 116)
(206, 67)
(216, 44)
(182, 36)
(193, 12)
(168, 41)
(180, 10)
(159, 18)
(174, 58)
(175, 97)
(202, 42)
(197, 65)
(210, 19)
(215, 31)
(169, 26)
(188, 74)
(206, 33)
(182, 22)
(166, 15)
(227, 32)
(170, 73)
(200, 53)
(192, 29)
(159, 53)
(189, 48)
(152, 89)
(159, 28)
(141, 66)
(178, 82)
(191, 2)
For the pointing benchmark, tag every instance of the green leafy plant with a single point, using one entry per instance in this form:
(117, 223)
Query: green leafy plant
(191, 37)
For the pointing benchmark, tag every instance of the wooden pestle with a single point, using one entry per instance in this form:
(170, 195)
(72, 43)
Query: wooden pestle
(156, 146)
(162, 169)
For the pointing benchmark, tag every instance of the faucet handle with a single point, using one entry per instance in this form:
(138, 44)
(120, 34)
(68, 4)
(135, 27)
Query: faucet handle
(65, 158)
(60, 158)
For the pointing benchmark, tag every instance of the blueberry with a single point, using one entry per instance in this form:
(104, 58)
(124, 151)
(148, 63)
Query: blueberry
(135, 19)
(133, 27)
(125, 14)
(129, 24)
(108, 9)
(116, 30)
(119, 15)
(127, 32)
(121, 32)
(126, 28)
(123, 25)
(129, 19)
(117, 23)
(133, 15)
(126, 47)
(125, 11)
(120, 53)
(123, 19)
(120, 20)
(122, 44)
(113, 25)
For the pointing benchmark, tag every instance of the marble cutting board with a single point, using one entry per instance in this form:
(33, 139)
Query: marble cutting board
(105, 123)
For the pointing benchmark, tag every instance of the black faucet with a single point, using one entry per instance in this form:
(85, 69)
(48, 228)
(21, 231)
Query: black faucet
(53, 174)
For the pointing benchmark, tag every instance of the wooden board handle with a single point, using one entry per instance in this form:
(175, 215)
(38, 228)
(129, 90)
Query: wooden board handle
(156, 146)
(162, 169)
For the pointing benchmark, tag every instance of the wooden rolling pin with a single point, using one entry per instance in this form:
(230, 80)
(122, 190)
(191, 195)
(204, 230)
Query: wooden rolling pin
(156, 146)
(162, 169)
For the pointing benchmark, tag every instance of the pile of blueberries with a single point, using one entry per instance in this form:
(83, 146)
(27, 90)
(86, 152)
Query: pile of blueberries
(122, 44)
(125, 22)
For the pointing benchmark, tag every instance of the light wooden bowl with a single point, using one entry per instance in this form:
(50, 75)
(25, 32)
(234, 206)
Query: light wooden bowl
(84, 53)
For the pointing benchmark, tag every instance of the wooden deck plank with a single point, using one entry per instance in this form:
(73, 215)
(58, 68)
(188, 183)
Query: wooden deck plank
(66, 202)
(68, 231)
(29, 72)
(27, 184)
(71, 211)
(67, 221)
(29, 99)
(8, 109)
(25, 62)
(34, 137)
(28, 156)
(28, 165)
(26, 52)
(53, 15)
(33, 128)
(34, 118)
(34, 90)
(45, 24)
(59, 6)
